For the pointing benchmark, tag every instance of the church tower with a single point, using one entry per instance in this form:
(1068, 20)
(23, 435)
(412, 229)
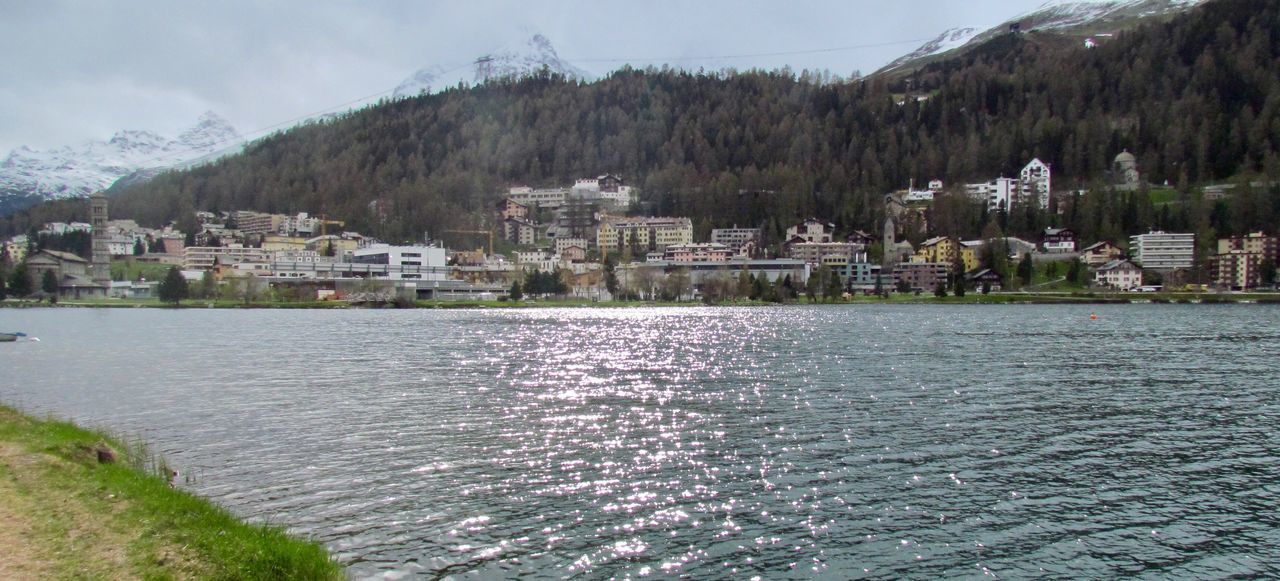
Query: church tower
(889, 242)
(100, 266)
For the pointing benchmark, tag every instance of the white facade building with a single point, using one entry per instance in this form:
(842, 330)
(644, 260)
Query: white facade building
(998, 193)
(1119, 274)
(1034, 183)
(1163, 250)
(414, 262)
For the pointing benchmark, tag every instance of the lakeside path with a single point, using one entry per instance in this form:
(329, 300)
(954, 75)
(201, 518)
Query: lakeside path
(67, 510)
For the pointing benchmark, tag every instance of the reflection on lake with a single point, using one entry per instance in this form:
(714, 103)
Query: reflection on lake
(863, 441)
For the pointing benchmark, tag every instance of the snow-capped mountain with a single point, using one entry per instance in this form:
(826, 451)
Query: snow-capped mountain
(945, 42)
(29, 176)
(1063, 16)
(535, 54)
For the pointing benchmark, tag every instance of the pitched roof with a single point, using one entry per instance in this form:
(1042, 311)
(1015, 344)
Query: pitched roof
(63, 256)
(1117, 264)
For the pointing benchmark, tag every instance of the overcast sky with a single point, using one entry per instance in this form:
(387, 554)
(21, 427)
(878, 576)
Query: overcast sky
(80, 70)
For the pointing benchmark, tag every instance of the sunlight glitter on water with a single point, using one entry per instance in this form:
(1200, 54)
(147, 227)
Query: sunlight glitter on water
(791, 442)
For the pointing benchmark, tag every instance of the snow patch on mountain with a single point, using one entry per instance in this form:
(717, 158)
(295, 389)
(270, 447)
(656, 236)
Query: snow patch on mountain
(68, 172)
(945, 42)
(1054, 15)
(535, 54)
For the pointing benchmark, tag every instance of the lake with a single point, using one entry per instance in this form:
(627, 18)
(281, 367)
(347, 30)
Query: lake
(787, 442)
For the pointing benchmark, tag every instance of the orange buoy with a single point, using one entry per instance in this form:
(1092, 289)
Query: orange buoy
(1093, 316)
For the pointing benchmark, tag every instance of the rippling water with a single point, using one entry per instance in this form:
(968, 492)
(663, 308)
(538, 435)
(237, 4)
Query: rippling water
(863, 441)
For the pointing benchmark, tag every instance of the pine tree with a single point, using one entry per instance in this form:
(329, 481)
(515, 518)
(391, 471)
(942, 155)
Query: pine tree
(516, 293)
(20, 281)
(49, 282)
(173, 288)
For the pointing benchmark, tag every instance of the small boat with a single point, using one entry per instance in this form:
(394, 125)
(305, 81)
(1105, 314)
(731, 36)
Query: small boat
(10, 337)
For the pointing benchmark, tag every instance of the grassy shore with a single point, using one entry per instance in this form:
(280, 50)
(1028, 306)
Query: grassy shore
(65, 514)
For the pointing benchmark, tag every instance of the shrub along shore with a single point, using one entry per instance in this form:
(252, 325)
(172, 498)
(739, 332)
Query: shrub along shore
(77, 503)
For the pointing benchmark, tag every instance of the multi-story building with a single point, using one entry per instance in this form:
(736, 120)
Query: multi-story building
(563, 243)
(943, 249)
(205, 257)
(1059, 240)
(1033, 184)
(16, 248)
(258, 222)
(921, 276)
(509, 208)
(539, 198)
(643, 234)
(1119, 274)
(735, 237)
(1100, 253)
(998, 193)
(711, 252)
(1163, 250)
(519, 231)
(830, 253)
(409, 262)
(811, 230)
(1240, 260)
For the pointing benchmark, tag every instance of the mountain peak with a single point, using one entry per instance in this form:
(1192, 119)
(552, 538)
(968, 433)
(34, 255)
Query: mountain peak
(536, 53)
(77, 171)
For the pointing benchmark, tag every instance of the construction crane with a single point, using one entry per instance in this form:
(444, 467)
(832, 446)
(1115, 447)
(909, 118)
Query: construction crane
(489, 232)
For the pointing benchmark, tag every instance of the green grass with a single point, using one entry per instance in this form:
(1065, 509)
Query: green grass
(1160, 196)
(91, 520)
(128, 269)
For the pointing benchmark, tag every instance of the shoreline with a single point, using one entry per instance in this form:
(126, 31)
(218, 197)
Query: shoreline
(1011, 298)
(78, 502)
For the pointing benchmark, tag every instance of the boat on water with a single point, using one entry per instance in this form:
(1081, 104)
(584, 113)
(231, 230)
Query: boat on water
(10, 337)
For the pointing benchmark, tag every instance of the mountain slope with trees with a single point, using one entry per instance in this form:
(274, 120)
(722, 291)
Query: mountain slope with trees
(1196, 99)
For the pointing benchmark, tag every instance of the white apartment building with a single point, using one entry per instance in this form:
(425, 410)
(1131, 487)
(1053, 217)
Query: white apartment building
(1163, 250)
(563, 243)
(406, 262)
(998, 193)
(1034, 183)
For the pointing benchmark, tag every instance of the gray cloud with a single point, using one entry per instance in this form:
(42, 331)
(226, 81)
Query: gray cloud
(83, 70)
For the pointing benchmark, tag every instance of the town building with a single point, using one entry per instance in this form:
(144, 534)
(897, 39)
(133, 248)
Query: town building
(985, 279)
(998, 194)
(1163, 250)
(816, 253)
(407, 262)
(943, 249)
(811, 230)
(921, 276)
(1100, 253)
(1034, 184)
(519, 231)
(205, 257)
(1240, 261)
(509, 208)
(1057, 240)
(1125, 172)
(736, 237)
(710, 252)
(73, 273)
(642, 234)
(1119, 274)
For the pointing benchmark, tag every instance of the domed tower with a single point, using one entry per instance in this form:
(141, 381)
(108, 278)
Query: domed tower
(1126, 168)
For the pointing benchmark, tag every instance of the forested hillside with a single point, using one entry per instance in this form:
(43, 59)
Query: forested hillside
(1195, 99)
